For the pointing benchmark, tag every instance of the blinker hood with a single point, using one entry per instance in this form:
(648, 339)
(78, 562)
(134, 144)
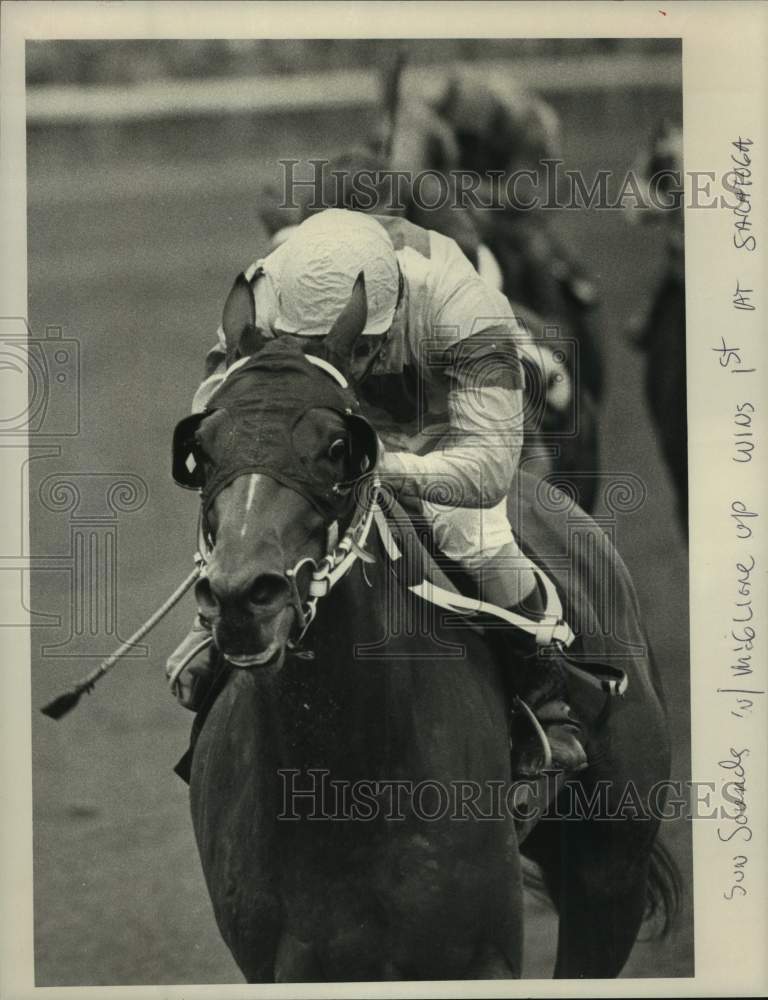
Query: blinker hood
(253, 416)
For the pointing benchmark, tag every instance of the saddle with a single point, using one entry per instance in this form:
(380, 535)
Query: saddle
(431, 576)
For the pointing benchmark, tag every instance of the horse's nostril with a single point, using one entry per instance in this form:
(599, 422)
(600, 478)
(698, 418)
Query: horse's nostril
(206, 599)
(222, 592)
(269, 588)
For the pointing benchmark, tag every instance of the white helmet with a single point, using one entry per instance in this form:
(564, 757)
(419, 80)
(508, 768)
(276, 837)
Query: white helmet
(319, 263)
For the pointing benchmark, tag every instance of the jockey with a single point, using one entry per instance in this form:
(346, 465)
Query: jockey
(439, 378)
(479, 126)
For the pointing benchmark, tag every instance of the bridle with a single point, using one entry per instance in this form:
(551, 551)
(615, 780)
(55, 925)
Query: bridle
(338, 560)
(340, 555)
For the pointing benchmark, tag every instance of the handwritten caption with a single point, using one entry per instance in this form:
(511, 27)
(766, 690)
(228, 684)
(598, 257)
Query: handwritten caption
(741, 688)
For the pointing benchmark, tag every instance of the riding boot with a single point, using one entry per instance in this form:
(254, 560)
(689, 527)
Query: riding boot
(545, 733)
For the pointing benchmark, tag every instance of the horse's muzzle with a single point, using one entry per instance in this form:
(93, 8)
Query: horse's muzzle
(268, 656)
(250, 647)
(251, 625)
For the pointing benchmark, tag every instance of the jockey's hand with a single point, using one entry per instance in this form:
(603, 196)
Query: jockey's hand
(392, 473)
(390, 469)
(185, 686)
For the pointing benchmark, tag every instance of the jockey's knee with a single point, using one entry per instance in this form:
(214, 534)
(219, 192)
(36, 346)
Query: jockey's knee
(505, 576)
(481, 541)
(469, 535)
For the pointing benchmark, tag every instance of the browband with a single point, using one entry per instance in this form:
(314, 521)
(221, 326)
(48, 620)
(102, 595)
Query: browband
(328, 368)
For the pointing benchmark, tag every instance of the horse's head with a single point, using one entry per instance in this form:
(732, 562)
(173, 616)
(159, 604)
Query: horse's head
(276, 457)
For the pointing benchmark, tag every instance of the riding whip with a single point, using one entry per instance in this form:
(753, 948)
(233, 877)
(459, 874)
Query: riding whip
(67, 701)
(391, 83)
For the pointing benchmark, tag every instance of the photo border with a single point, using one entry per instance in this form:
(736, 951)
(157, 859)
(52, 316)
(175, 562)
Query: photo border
(725, 54)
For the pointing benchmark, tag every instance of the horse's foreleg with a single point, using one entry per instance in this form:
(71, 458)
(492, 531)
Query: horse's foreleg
(490, 963)
(296, 962)
(596, 936)
(608, 826)
(602, 898)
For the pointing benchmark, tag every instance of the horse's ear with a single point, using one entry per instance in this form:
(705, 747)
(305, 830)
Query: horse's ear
(251, 342)
(349, 325)
(238, 322)
(239, 311)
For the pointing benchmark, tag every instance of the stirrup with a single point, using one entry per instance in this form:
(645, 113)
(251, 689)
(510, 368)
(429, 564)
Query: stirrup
(538, 729)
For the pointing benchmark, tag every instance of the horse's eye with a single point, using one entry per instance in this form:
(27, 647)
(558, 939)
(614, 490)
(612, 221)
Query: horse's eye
(337, 450)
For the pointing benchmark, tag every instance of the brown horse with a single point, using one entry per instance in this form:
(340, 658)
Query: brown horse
(346, 806)
(660, 333)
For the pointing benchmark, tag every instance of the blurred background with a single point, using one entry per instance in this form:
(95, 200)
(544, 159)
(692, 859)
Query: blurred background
(145, 164)
(139, 61)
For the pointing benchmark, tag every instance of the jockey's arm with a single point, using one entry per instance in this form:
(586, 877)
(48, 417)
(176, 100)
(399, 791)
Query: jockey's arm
(464, 344)
(472, 465)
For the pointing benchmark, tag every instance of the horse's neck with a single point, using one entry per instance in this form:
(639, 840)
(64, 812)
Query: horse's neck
(388, 683)
(356, 616)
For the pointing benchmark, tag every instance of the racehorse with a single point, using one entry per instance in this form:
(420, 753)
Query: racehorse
(317, 868)
(660, 333)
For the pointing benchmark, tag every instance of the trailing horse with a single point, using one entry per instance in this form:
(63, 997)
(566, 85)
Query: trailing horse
(660, 332)
(351, 709)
